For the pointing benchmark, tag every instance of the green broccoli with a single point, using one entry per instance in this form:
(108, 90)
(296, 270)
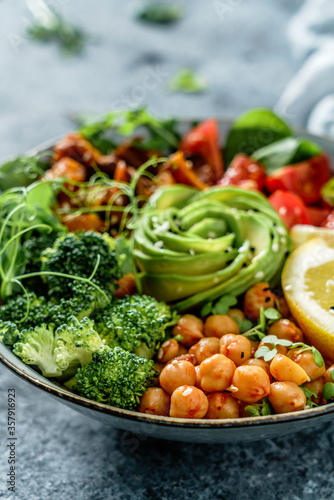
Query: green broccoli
(136, 323)
(76, 342)
(36, 347)
(84, 300)
(77, 254)
(17, 306)
(116, 377)
(32, 250)
(9, 333)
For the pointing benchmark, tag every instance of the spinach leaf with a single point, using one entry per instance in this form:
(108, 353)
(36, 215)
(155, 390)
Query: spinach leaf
(23, 170)
(253, 130)
(157, 134)
(285, 152)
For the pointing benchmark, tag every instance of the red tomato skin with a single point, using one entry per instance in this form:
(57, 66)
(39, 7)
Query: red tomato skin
(317, 215)
(203, 140)
(243, 168)
(290, 207)
(304, 179)
(329, 222)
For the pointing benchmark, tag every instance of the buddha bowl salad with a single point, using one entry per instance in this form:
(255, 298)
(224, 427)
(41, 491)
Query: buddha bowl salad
(141, 266)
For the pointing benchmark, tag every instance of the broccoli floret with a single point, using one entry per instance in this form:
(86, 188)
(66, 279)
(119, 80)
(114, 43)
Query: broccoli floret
(32, 253)
(116, 377)
(136, 323)
(36, 347)
(76, 254)
(76, 342)
(17, 306)
(9, 333)
(84, 300)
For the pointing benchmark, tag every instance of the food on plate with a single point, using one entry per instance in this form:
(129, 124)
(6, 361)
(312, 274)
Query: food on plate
(141, 266)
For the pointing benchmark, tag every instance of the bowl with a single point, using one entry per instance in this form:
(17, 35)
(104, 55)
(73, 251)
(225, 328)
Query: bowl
(189, 430)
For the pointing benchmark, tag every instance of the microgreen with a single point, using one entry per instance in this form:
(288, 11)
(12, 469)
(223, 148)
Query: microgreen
(269, 353)
(48, 25)
(221, 306)
(259, 409)
(187, 81)
(319, 360)
(267, 318)
(309, 393)
(161, 13)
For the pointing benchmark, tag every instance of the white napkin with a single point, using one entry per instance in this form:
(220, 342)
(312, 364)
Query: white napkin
(308, 100)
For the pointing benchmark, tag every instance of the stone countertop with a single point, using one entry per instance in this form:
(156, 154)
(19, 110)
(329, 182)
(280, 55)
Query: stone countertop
(241, 48)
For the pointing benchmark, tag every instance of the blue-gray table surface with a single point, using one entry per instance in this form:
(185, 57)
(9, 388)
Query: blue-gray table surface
(244, 54)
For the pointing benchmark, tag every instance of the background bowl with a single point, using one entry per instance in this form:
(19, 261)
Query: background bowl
(200, 431)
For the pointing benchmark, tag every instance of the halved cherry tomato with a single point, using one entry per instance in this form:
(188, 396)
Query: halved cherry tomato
(304, 179)
(203, 140)
(244, 172)
(329, 222)
(290, 208)
(182, 171)
(317, 215)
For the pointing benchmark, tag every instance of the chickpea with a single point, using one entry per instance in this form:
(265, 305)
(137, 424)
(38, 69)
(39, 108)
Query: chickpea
(186, 357)
(216, 373)
(206, 347)
(286, 397)
(236, 314)
(191, 329)
(250, 383)
(177, 373)
(236, 347)
(285, 329)
(219, 325)
(316, 386)
(198, 377)
(222, 405)
(329, 374)
(284, 369)
(256, 297)
(258, 362)
(306, 360)
(155, 401)
(188, 402)
(168, 350)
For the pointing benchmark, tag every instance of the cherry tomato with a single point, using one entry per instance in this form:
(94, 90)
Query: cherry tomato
(203, 140)
(290, 208)
(244, 172)
(304, 179)
(318, 215)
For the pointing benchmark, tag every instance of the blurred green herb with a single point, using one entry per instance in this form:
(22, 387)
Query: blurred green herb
(161, 13)
(186, 80)
(328, 391)
(267, 318)
(319, 360)
(48, 25)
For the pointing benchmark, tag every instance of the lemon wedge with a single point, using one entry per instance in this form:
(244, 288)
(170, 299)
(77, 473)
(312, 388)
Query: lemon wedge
(301, 233)
(308, 285)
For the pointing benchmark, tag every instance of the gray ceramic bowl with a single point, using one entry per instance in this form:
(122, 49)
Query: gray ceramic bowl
(199, 431)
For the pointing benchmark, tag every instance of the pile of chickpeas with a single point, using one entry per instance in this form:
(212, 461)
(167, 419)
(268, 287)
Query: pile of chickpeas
(212, 372)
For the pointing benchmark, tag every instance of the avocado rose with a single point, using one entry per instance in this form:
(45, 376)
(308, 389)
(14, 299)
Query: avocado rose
(195, 246)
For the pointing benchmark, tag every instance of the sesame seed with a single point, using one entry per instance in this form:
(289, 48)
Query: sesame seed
(212, 235)
(281, 231)
(259, 275)
(159, 244)
(187, 391)
(164, 227)
(192, 252)
(283, 240)
(275, 247)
